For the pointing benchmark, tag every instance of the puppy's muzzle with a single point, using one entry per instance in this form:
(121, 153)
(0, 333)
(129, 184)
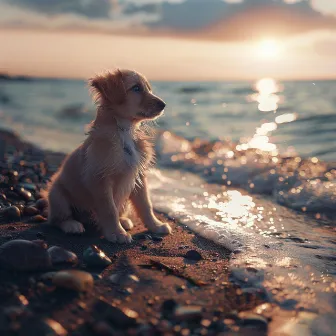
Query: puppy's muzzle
(160, 105)
(154, 109)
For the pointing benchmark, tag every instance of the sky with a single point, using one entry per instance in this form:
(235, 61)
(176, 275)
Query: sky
(170, 39)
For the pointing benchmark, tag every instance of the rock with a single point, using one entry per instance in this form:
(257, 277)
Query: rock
(187, 313)
(119, 317)
(157, 238)
(102, 328)
(143, 236)
(3, 198)
(193, 255)
(37, 219)
(41, 204)
(24, 255)
(42, 327)
(119, 279)
(96, 276)
(288, 304)
(11, 214)
(249, 319)
(13, 176)
(28, 186)
(59, 255)
(25, 194)
(41, 242)
(30, 211)
(168, 307)
(93, 256)
(79, 281)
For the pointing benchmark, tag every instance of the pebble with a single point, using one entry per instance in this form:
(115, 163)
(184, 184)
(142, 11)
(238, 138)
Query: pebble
(59, 255)
(157, 238)
(93, 256)
(168, 307)
(28, 186)
(25, 194)
(42, 327)
(40, 242)
(102, 328)
(253, 320)
(24, 255)
(37, 219)
(187, 313)
(11, 214)
(96, 276)
(120, 317)
(41, 204)
(288, 304)
(13, 176)
(143, 236)
(30, 211)
(193, 255)
(119, 279)
(79, 281)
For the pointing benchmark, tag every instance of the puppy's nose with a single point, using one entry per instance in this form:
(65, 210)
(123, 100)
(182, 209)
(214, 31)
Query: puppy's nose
(161, 105)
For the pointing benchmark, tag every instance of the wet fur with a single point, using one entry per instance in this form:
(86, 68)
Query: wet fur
(108, 170)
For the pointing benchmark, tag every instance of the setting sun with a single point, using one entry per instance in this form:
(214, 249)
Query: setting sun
(268, 49)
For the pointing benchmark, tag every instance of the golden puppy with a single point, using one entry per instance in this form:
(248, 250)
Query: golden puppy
(109, 168)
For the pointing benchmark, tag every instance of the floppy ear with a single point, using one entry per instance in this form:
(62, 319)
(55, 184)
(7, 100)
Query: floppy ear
(108, 88)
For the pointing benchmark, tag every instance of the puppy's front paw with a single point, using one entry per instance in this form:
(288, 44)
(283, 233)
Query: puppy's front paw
(126, 223)
(160, 228)
(72, 226)
(121, 237)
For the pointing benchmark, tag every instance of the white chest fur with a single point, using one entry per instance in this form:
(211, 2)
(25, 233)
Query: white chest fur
(131, 156)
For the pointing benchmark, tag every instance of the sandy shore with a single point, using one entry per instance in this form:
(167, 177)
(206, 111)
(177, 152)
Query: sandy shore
(186, 297)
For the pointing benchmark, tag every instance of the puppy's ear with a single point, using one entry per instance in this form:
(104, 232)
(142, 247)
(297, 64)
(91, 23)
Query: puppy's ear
(108, 88)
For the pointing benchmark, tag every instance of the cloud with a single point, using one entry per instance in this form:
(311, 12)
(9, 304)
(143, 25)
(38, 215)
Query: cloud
(326, 7)
(87, 8)
(239, 20)
(225, 20)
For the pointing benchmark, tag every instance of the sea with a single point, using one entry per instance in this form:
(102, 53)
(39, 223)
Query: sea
(248, 165)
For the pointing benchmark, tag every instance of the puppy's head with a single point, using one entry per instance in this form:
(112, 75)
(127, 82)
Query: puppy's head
(126, 94)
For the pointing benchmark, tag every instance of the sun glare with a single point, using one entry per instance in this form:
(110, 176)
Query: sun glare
(269, 49)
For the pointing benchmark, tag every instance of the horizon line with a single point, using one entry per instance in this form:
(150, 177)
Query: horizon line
(12, 76)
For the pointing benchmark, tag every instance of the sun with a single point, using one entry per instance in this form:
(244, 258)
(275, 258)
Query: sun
(268, 49)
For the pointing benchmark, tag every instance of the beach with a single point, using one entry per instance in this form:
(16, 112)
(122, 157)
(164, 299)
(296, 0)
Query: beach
(28, 299)
(182, 284)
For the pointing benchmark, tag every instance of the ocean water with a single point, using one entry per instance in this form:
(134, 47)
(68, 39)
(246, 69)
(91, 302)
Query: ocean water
(251, 166)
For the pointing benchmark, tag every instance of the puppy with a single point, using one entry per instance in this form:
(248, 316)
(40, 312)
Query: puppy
(108, 170)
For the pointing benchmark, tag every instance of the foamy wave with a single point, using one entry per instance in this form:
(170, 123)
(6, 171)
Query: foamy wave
(305, 185)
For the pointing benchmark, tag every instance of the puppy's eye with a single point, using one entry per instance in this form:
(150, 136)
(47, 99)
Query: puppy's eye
(136, 88)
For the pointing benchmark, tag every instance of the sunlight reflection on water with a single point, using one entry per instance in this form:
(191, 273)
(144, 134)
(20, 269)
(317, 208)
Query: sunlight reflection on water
(268, 101)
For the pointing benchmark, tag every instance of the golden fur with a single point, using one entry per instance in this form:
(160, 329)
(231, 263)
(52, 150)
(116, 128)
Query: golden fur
(109, 168)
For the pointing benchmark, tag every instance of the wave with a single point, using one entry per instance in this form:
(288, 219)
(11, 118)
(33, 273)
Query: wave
(306, 185)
